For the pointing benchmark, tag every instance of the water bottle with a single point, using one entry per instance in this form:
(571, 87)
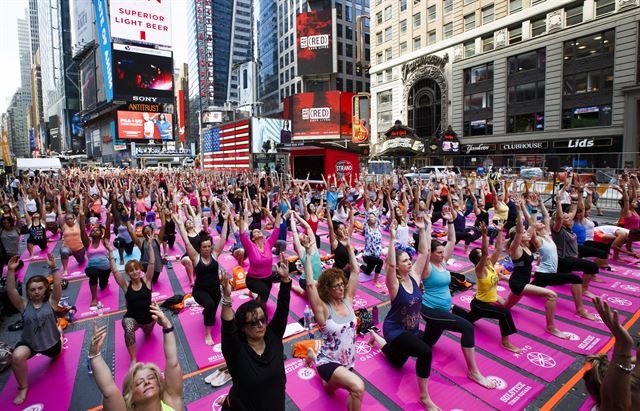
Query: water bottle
(307, 319)
(374, 314)
(99, 309)
(89, 369)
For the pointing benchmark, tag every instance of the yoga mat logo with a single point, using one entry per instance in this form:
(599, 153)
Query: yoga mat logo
(466, 298)
(619, 301)
(34, 407)
(359, 302)
(541, 359)
(363, 347)
(499, 382)
(573, 337)
(500, 288)
(598, 318)
(217, 348)
(306, 373)
(195, 309)
(216, 404)
(630, 287)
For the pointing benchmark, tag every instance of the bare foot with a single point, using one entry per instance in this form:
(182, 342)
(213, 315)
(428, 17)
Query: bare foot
(511, 347)
(557, 333)
(598, 280)
(22, 395)
(121, 262)
(94, 303)
(482, 380)
(208, 340)
(65, 273)
(585, 314)
(429, 405)
(310, 358)
(372, 338)
(588, 294)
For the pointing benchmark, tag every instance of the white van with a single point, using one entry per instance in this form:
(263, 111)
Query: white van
(431, 172)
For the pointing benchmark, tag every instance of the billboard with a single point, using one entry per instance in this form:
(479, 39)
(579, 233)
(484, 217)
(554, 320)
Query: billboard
(142, 74)
(141, 125)
(82, 25)
(315, 46)
(88, 81)
(360, 122)
(104, 38)
(323, 115)
(267, 133)
(142, 21)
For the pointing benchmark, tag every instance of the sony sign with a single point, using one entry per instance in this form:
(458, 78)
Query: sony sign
(145, 99)
(316, 114)
(320, 41)
(581, 143)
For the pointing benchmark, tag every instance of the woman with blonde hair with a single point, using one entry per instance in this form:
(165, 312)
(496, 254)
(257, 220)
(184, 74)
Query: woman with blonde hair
(144, 386)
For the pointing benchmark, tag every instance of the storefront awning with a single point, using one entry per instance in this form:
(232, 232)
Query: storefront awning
(39, 164)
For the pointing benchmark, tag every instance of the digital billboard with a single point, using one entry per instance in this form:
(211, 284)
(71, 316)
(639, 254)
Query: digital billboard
(142, 74)
(140, 125)
(266, 134)
(88, 81)
(315, 47)
(323, 115)
(141, 21)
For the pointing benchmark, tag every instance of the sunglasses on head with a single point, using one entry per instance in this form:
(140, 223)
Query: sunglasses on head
(257, 321)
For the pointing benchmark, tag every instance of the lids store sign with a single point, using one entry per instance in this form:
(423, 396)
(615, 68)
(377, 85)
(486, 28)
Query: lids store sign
(584, 143)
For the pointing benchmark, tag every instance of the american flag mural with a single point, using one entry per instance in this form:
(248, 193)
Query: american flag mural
(227, 146)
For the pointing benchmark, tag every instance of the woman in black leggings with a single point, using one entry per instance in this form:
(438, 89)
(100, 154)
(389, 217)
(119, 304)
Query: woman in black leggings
(401, 326)
(206, 288)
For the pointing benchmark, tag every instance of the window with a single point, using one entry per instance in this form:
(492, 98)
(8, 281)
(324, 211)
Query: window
(527, 61)
(448, 30)
(385, 119)
(379, 38)
(348, 13)
(431, 12)
(431, 37)
(388, 13)
(469, 21)
(526, 92)
(534, 2)
(379, 17)
(403, 47)
(469, 48)
(593, 116)
(416, 20)
(538, 26)
(604, 7)
(523, 123)
(416, 43)
(515, 6)
(349, 50)
(403, 5)
(515, 35)
(379, 58)
(348, 32)
(478, 101)
(588, 82)
(379, 75)
(467, 2)
(477, 74)
(487, 15)
(388, 53)
(385, 98)
(574, 15)
(478, 127)
(403, 26)
(447, 6)
(591, 45)
(388, 34)
(487, 43)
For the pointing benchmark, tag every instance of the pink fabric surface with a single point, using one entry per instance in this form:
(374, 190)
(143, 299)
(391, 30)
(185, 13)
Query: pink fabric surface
(109, 297)
(148, 349)
(47, 375)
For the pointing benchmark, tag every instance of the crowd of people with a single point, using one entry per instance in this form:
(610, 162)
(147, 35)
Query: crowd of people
(249, 216)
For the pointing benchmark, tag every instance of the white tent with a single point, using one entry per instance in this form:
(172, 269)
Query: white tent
(39, 164)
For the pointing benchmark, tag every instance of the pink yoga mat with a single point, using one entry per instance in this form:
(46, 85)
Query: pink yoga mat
(581, 341)
(622, 272)
(615, 298)
(589, 405)
(162, 289)
(400, 385)
(109, 297)
(615, 285)
(74, 270)
(47, 376)
(191, 321)
(513, 391)
(536, 358)
(38, 254)
(304, 387)
(148, 349)
(181, 274)
(379, 290)
(209, 403)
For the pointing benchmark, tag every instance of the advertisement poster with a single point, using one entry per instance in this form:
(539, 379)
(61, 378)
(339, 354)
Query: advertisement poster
(104, 38)
(145, 126)
(323, 115)
(82, 26)
(142, 74)
(88, 80)
(142, 21)
(315, 47)
(266, 134)
(360, 122)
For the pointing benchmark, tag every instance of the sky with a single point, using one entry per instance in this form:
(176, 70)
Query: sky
(11, 10)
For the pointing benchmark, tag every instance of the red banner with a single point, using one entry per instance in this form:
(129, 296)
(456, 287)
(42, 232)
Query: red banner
(323, 115)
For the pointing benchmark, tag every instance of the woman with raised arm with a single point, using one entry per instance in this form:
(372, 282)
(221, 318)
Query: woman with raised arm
(37, 231)
(303, 242)
(339, 236)
(137, 294)
(253, 349)
(40, 332)
(436, 304)
(98, 266)
(402, 336)
(74, 242)
(311, 216)
(468, 234)
(487, 303)
(145, 386)
(372, 246)
(258, 250)
(331, 300)
(123, 241)
(206, 289)
(521, 247)
(147, 234)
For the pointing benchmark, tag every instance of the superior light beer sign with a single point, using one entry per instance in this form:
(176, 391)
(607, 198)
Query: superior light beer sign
(142, 21)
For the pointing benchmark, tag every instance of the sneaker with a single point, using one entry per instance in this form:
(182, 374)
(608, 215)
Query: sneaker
(223, 378)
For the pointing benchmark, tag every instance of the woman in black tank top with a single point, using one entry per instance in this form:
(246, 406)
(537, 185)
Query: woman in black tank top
(206, 289)
(519, 245)
(338, 236)
(137, 294)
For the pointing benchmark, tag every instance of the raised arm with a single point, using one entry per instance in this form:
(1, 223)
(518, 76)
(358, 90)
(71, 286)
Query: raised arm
(148, 276)
(172, 370)
(296, 237)
(484, 259)
(55, 296)
(191, 252)
(451, 237)
(352, 284)
(498, 246)
(112, 399)
(423, 224)
(12, 291)
(318, 306)
(226, 215)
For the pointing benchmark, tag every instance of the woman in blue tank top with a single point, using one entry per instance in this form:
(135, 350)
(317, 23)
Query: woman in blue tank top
(436, 304)
(401, 326)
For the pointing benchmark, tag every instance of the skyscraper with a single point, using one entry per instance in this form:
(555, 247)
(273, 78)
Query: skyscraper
(267, 29)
